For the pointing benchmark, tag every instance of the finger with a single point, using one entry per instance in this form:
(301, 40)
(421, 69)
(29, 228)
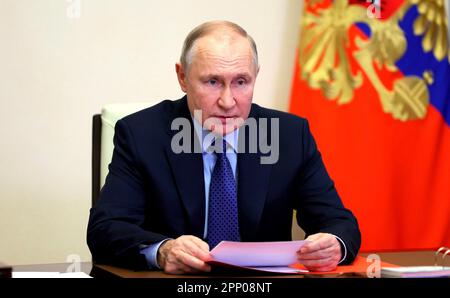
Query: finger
(319, 254)
(319, 262)
(175, 265)
(177, 268)
(316, 263)
(321, 265)
(314, 237)
(192, 262)
(182, 257)
(320, 243)
(200, 243)
(198, 248)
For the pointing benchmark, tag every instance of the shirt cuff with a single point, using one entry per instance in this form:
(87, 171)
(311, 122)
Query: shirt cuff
(345, 248)
(151, 254)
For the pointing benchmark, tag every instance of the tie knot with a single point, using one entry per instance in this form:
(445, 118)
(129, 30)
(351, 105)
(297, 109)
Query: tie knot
(218, 146)
(224, 146)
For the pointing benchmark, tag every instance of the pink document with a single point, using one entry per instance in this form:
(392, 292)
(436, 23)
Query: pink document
(262, 256)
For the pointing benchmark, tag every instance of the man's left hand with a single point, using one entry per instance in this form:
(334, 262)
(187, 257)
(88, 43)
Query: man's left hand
(323, 253)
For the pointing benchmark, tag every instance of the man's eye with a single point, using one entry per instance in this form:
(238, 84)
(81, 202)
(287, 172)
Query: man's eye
(241, 82)
(212, 82)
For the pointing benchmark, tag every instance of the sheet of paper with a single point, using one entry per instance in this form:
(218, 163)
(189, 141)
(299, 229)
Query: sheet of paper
(279, 269)
(257, 254)
(74, 275)
(49, 275)
(35, 274)
(416, 271)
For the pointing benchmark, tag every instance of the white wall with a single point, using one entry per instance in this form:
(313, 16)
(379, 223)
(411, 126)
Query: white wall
(57, 71)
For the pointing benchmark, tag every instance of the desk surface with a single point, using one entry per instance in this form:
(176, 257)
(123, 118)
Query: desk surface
(408, 258)
(85, 267)
(412, 258)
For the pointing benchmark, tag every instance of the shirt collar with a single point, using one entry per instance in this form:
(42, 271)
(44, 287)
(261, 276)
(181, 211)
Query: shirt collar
(201, 132)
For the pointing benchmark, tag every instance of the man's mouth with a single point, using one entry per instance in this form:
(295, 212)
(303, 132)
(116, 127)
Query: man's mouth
(224, 119)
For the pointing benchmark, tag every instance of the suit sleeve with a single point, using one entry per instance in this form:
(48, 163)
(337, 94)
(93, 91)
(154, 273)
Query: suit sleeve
(115, 234)
(320, 208)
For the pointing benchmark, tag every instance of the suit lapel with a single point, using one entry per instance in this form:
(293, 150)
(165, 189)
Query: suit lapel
(253, 183)
(187, 170)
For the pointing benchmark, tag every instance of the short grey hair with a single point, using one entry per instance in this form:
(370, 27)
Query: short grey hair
(207, 28)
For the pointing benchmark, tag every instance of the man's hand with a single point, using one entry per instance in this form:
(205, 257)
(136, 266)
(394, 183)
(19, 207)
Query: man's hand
(184, 255)
(323, 253)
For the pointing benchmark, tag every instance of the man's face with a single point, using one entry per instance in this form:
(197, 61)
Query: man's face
(220, 81)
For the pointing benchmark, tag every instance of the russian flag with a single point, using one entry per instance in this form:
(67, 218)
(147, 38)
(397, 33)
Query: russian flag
(375, 87)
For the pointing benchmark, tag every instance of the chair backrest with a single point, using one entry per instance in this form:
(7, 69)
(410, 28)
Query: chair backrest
(102, 140)
(95, 164)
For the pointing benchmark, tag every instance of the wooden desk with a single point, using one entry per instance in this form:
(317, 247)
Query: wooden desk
(106, 271)
(412, 258)
(122, 281)
(119, 281)
(407, 258)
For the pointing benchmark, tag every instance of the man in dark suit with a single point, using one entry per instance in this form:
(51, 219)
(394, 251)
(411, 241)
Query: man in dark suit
(162, 207)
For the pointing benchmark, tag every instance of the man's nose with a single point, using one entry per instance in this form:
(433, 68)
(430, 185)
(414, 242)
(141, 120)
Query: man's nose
(226, 100)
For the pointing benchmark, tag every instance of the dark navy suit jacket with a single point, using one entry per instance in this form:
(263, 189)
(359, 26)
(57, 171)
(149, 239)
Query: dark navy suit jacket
(152, 193)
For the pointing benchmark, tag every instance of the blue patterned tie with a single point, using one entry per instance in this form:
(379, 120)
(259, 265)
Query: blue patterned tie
(222, 211)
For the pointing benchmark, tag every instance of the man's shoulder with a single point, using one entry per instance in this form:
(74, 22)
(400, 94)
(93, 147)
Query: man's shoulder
(157, 115)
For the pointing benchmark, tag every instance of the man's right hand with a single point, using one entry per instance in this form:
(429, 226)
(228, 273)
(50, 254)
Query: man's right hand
(184, 255)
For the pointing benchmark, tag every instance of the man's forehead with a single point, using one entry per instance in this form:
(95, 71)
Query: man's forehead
(213, 53)
(223, 54)
(224, 57)
(218, 74)
(223, 43)
(217, 65)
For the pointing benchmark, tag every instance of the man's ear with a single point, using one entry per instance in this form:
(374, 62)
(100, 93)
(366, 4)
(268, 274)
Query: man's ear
(181, 76)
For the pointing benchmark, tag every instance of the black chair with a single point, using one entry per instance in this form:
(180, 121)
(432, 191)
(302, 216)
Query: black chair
(96, 146)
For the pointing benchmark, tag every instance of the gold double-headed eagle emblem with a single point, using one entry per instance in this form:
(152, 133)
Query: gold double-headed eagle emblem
(325, 63)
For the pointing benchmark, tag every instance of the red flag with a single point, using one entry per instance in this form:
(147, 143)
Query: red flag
(376, 91)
